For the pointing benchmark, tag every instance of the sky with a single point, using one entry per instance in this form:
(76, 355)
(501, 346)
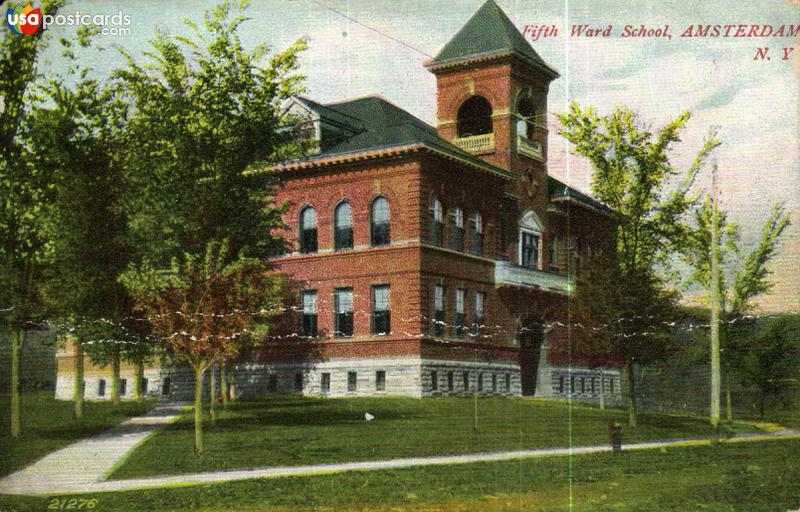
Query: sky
(362, 47)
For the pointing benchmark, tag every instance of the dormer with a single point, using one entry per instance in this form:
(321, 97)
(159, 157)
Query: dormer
(315, 122)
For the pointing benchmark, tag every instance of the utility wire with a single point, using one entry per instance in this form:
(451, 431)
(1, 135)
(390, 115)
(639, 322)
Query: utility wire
(396, 40)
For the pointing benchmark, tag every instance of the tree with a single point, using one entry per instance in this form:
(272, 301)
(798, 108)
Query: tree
(72, 136)
(631, 173)
(208, 310)
(23, 191)
(771, 363)
(202, 113)
(626, 321)
(744, 277)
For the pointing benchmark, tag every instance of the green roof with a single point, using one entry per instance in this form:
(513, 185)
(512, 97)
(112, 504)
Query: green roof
(487, 32)
(373, 123)
(558, 190)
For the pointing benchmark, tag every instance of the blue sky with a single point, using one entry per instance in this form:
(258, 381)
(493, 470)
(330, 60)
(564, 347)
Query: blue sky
(755, 103)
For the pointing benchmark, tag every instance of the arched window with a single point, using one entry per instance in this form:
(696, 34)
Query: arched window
(530, 234)
(437, 221)
(308, 230)
(342, 227)
(379, 222)
(474, 117)
(526, 110)
(476, 231)
(456, 229)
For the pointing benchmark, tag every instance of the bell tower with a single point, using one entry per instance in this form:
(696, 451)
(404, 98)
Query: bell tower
(491, 97)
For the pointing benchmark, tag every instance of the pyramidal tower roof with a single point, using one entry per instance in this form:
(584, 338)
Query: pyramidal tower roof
(488, 32)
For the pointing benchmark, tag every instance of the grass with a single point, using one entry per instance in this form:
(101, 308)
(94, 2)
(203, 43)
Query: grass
(752, 476)
(280, 431)
(48, 424)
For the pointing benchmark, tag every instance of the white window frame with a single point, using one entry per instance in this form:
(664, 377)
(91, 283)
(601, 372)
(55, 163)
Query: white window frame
(530, 224)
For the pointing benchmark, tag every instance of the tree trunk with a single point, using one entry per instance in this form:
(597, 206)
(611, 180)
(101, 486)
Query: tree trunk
(728, 406)
(16, 342)
(138, 383)
(761, 399)
(602, 392)
(223, 384)
(79, 387)
(212, 392)
(232, 389)
(198, 410)
(631, 394)
(115, 376)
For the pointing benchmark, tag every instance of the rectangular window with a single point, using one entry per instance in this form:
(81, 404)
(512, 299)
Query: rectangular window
(476, 226)
(576, 255)
(561, 384)
(165, 386)
(508, 382)
(592, 385)
(477, 312)
(381, 314)
(380, 380)
(494, 382)
(465, 379)
(611, 385)
(272, 383)
(325, 382)
(555, 253)
(438, 310)
(101, 387)
(434, 380)
(572, 384)
(456, 229)
(343, 312)
(450, 381)
(459, 319)
(583, 385)
(480, 381)
(298, 381)
(308, 321)
(144, 386)
(352, 381)
(529, 249)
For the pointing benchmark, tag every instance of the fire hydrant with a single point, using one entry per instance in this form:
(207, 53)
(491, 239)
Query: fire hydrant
(615, 436)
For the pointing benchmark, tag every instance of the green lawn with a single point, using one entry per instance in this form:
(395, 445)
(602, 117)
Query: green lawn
(298, 431)
(753, 476)
(48, 424)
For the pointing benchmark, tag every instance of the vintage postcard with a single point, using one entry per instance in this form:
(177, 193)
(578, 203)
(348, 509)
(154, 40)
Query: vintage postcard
(376, 255)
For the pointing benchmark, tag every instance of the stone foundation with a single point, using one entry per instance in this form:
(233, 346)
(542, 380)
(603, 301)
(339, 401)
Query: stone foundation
(407, 376)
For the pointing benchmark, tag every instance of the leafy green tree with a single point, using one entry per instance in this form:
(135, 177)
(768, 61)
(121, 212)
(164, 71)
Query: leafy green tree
(772, 360)
(23, 192)
(72, 136)
(203, 112)
(631, 174)
(745, 277)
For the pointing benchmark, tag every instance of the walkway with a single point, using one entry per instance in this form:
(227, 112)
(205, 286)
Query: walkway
(86, 462)
(81, 467)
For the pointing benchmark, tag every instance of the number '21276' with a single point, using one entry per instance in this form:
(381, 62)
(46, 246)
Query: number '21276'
(71, 503)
